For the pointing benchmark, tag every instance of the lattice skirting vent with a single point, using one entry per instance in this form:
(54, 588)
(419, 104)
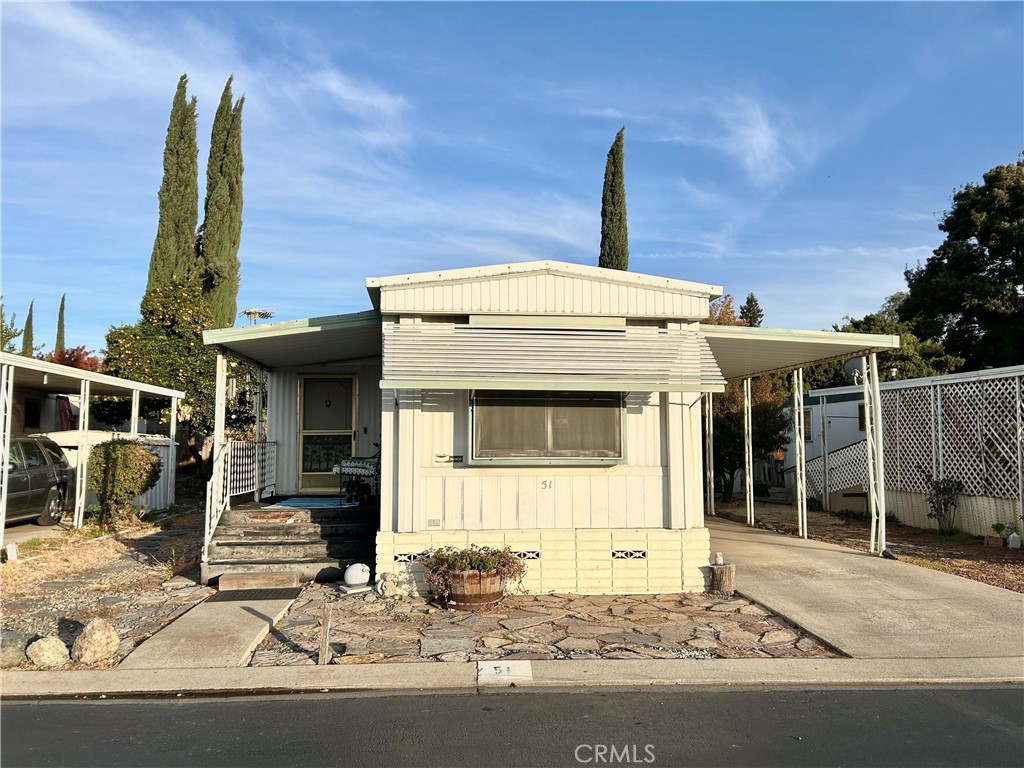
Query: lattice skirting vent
(629, 554)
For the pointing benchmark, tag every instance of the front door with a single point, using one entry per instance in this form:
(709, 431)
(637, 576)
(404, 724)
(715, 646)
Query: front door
(327, 407)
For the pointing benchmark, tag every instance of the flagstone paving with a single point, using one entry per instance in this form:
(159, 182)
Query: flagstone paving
(369, 629)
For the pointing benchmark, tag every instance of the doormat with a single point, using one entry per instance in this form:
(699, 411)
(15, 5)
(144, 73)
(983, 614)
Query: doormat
(278, 593)
(307, 502)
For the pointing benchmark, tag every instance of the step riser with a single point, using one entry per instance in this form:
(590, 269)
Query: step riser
(319, 571)
(320, 549)
(297, 531)
(248, 517)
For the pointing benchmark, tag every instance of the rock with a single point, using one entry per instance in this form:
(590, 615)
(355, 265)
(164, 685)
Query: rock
(435, 646)
(48, 652)
(386, 585)
(753, 610)
(807, 644)
(738, 638)
(178, 582)
(522, 622)
(12, 647)
(778, 636)
(678, 633)
(489, 641)
(453, 656)
(578, 644)
(704, 643)
(98, 641)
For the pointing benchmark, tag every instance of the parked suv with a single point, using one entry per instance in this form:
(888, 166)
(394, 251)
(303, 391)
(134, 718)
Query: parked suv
(40, 481)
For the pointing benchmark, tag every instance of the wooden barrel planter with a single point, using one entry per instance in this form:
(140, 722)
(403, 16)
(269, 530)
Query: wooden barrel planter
(475, 590)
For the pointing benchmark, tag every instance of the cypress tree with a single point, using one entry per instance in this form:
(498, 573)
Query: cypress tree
(174, 255)
(220, 234)
(614, 235)
(26, 333)
(58, 346)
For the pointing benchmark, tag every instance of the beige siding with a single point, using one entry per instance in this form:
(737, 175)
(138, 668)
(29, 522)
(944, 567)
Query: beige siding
(550, 294)
(283, 414)
(453, 497)
(583, 561)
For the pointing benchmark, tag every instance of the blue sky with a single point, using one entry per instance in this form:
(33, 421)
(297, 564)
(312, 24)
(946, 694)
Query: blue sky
(800, 151)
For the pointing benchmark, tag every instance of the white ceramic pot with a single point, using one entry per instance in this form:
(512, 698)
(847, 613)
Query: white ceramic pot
(357, 575)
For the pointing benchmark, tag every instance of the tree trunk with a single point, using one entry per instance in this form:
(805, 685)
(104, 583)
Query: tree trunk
(723, 578)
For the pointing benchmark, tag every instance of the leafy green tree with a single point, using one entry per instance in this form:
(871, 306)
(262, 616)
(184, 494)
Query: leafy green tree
(165, 347)
(220, 234)
(914, 359)
(27, 350)
(768, 419)
(751, 312)
(9, 330)
(614, 234)
(174, 257)
(58, 346)
(969, 295)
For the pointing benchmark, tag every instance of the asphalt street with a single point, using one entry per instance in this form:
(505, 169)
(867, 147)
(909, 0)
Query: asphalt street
(939, 726)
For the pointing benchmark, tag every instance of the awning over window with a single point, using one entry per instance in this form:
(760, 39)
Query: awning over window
(624, 359)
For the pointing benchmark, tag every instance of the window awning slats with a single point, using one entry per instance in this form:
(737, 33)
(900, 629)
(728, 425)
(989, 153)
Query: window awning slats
(448, 355)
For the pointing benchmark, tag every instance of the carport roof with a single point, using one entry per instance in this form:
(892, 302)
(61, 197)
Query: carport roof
(62, 379)
(743, 352)
(315, 340)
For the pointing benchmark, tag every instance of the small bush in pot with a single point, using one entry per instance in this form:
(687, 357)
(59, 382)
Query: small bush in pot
(450, 570)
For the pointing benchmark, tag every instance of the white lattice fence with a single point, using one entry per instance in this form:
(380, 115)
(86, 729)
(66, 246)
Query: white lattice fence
(847, 467)
(969, 430)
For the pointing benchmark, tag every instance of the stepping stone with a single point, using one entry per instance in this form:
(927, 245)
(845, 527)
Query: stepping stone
(522, 622)
(448, 632)
(490, 641)
(778, 636)
(578, 644)
(435, 646)
(738, 638)
(702, 643)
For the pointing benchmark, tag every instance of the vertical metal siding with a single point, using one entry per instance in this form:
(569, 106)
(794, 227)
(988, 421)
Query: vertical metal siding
(283, 414)
(463, 497)
(542, 294)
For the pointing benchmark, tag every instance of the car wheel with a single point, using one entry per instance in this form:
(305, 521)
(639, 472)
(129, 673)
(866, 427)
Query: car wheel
(53, 512)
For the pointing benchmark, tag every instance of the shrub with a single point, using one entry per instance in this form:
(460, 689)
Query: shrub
(119, 471)
(943, 496)
(441, 563)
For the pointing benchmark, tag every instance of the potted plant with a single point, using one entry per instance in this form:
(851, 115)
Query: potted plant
(997, 540)
(473, 578)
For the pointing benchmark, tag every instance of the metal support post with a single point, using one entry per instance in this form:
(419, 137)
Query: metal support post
(709, 453)
(6, 417)
(748, 452)
(800, 451)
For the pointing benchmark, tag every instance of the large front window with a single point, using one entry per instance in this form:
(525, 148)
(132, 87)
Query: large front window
(547, 427)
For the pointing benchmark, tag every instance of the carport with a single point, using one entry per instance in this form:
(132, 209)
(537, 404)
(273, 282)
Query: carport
(18, 373)
(743, 353)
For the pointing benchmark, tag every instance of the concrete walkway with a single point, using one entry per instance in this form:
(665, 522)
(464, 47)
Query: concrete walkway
(212, 635)
(869, 607)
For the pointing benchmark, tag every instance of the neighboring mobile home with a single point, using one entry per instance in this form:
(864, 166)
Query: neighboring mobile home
(549, 407)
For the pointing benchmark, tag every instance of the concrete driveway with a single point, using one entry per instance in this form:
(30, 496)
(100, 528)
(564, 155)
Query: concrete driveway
(869, 607)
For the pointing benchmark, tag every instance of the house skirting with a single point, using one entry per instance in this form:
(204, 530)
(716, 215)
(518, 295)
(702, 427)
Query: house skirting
(580, 561)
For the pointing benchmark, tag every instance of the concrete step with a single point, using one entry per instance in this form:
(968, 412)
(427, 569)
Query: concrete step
(297, 530)
(364, 514)
(287, 549)
(232, 582)
(311, 569)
